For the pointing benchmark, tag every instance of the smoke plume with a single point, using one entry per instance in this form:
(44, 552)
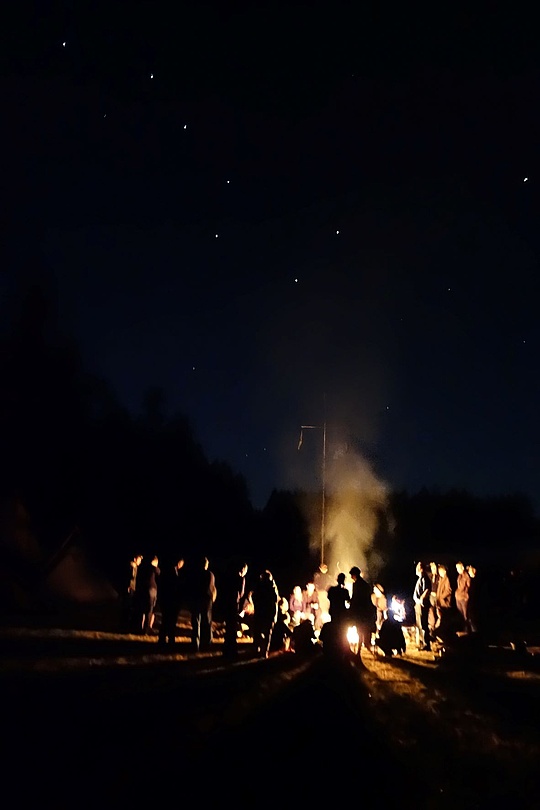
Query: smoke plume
(356, 509)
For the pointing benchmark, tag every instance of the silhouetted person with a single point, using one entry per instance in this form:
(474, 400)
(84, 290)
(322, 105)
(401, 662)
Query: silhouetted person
(323, 581)
(282, 633)
(247, 612)
(231, 594)
(133, 571)
(132, 617)
(265, 601)
(391, 639)
(338, 598)
(202, 595)
(362, 610)
(304, 638)
(333, 634)
(171, 598)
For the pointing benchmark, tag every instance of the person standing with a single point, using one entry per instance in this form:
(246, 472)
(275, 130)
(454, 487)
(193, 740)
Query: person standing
(202, 594)
(444, 602)
(146, 594)
(171, 596)
(323, 581)
(265, 601)
(362, 610)
(421, 599)
(282, 633)
(463, 587)
(131, 614)
(338, 598)
(381, 605)
(133, 570)
(334, 633)
(474, 604)
(433, 575)
(232, 592)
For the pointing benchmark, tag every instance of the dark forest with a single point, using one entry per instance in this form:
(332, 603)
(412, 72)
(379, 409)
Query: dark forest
(78, 463)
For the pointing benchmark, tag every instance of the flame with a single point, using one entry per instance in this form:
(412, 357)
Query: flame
(353, 638)
(397, 606)
(352, 635)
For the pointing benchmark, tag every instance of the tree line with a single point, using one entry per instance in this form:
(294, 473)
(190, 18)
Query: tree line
(76, 457)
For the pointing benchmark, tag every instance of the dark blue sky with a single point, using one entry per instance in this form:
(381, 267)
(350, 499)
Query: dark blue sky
(376, 249)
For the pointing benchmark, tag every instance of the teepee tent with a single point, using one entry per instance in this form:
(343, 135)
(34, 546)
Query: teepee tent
(33, 579)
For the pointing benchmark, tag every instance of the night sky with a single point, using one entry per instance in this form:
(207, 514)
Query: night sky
(285, 214)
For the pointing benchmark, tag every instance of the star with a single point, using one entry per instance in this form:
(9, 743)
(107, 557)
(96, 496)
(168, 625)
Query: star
(151, 75)
(217, 235)
(185, 126)
(337, 232)
(63, 44)
(296, 281)
(525, 179)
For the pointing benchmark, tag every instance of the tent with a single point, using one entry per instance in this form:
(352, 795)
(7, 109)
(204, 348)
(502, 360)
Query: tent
(36, 581)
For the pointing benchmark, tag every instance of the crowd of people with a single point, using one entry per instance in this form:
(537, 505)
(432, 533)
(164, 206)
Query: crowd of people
(442, 609)
(341, 614)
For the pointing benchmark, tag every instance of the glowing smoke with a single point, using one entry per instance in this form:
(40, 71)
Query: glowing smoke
(356, 503)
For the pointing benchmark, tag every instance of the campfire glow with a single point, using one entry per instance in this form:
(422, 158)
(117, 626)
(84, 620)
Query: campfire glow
(397, 606)
(353, 638)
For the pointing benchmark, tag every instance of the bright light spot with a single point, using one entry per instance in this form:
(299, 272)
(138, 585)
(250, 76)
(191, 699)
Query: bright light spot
(105, 116)
(151, 75)
(63, 44)
(296, 281)
(524, 341)
(449, 288)
(353, 638)
(388, 407)
(193, 369)
(217, 235)
(337, 232)
(525, 179)
(185, 126)
(228, 181)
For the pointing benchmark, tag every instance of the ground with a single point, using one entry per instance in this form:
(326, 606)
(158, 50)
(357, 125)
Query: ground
(97, 714)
